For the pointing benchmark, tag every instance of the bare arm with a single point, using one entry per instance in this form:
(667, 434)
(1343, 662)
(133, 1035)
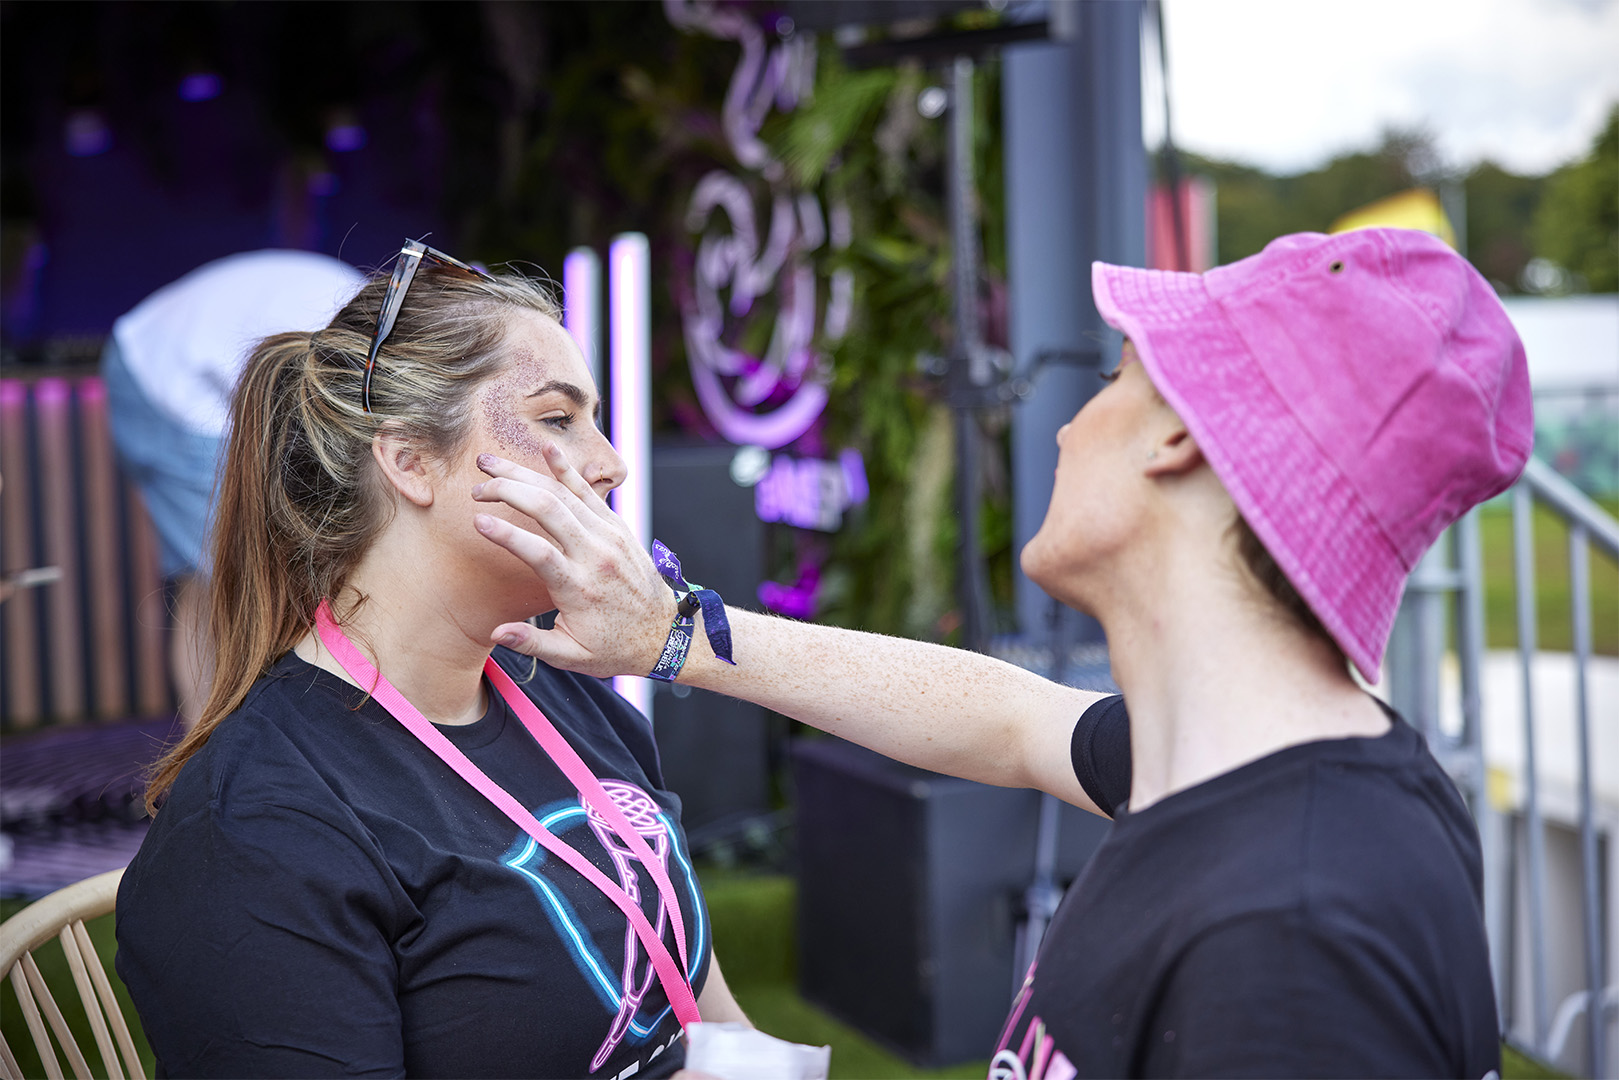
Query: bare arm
(943, 709)
(948, 710)
(717, 1004)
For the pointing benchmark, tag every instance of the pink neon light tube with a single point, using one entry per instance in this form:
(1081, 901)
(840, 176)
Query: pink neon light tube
(581, 305)
(629, 269)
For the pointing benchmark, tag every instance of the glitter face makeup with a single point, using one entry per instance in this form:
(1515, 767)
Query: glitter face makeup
(508, 395)
(544, 397)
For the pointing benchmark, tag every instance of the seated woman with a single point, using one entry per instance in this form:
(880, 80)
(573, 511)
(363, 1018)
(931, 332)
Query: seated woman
(383, 850)
(1291, 884)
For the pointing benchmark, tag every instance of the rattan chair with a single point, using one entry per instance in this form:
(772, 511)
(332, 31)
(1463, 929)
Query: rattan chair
(61, 916)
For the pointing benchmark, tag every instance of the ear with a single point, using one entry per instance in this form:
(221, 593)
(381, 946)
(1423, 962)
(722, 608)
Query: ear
(1173, 452)
(406, 469)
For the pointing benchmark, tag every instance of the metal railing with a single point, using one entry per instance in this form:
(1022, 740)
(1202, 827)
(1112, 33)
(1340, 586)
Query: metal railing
(1452, 574)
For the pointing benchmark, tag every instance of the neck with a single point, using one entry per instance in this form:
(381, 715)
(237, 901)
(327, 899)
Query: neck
(1217, 675)
(431, 650)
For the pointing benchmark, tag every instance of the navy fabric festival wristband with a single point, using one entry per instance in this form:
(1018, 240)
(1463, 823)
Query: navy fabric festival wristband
(674, 651)
(693, 597)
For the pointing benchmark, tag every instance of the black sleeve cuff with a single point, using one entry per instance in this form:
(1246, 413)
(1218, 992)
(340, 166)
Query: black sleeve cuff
(1101, 752)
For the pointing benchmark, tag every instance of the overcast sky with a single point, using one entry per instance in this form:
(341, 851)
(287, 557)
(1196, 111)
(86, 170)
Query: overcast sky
(1286, 84)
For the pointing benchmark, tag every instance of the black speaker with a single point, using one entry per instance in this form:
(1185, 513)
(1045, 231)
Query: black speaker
(910, 891)
(714, 748)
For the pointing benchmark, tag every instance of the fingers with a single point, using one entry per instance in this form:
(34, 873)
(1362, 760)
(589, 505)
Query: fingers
(495, 465)
(541, 554)
(550, 509)
(564, 480)
(550, 500)
(555, 648)
(614, 608)
(498, 468)
(570, 478)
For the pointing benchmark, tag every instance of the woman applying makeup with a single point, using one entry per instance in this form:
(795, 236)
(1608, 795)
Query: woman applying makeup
(1291, 885)
(387, 848)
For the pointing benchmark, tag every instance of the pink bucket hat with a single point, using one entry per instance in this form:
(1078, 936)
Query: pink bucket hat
(1354, 393)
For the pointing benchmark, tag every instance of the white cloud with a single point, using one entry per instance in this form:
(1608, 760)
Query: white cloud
(1285, 84)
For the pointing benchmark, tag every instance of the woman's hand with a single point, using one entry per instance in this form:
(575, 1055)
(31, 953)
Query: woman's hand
(614, 609)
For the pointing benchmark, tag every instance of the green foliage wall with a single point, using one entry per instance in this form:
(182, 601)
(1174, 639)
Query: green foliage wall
(863, 141)
(621, 127)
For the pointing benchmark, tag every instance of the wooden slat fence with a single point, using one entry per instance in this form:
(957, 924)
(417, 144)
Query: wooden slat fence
(89, 646)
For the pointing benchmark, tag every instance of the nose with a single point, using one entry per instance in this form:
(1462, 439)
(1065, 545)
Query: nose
(605, 470)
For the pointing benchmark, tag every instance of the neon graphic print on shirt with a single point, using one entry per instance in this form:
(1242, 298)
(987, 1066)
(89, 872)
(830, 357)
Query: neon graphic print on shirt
(1037, 1058)
(622, 989)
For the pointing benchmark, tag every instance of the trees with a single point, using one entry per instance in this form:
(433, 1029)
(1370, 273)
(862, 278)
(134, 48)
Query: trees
(1253, 207)
(1569, 218)
(1500, 209)
(1577, 223)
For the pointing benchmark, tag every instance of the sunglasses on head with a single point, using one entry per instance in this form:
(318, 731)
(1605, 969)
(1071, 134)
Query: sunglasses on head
(410, 260)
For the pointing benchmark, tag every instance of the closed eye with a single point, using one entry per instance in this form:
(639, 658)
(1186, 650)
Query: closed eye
(1108, 376)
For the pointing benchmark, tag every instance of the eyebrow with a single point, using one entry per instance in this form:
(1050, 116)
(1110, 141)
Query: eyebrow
(567, 389)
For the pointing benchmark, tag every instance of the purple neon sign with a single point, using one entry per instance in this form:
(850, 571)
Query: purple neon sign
(771, 399)
(809, 493)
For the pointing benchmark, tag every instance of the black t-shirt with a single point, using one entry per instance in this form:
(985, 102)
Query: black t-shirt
(322, 896)
(1316, 912)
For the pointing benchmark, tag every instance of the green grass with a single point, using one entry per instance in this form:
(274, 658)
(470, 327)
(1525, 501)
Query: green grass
(754, 918)
(777, 1008)
(1516, 1066)
(1554, 630)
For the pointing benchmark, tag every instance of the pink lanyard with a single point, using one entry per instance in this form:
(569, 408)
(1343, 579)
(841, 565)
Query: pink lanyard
(675, 985)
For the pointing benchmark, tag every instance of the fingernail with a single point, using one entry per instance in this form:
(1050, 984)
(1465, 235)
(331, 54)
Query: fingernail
(477, 489)
(484, 522)
(486, 461)
(510, 640)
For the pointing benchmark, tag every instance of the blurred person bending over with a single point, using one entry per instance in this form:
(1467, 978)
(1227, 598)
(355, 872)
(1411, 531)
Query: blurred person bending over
(169, 367)
(1291, 885)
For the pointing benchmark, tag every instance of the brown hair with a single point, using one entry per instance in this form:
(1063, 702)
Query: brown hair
(299, 500)
(1259, 563)
(1257, 560)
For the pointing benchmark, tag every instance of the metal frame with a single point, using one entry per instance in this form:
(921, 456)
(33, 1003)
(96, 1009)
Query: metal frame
(1415, 659)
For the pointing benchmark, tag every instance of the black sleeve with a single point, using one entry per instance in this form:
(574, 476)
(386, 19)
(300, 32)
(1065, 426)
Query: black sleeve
(254, 946)
(1267, 995)
(1101, 752)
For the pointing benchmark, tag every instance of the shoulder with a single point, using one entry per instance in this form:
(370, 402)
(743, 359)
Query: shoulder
(1366, 830)
(283, 725)
(1284, 994)
(266, 802)
(284, 760)
(1385, 814)
(1347, 911)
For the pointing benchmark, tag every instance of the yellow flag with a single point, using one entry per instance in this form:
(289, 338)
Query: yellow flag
(1415, 209)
